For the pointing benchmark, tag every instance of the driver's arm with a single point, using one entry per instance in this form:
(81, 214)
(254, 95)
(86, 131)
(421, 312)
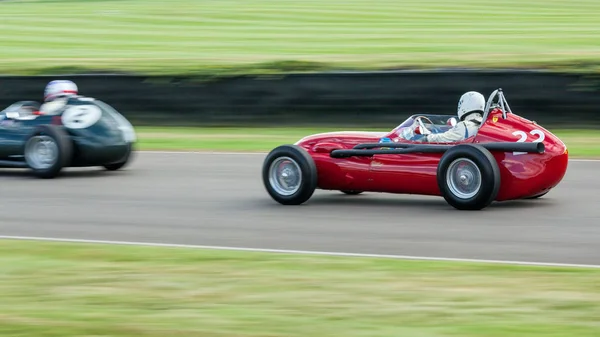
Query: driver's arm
(453, 135)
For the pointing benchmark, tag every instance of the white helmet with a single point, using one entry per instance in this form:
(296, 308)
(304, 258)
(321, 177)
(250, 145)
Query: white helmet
(471, 101)
(59, 88)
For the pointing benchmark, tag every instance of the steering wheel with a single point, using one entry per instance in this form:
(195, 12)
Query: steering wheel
(419, 120)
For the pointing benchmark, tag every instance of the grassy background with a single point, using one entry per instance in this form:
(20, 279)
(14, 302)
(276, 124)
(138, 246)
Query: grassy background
(235, 36)
(63, 290)
(581, 143)
(155, 36)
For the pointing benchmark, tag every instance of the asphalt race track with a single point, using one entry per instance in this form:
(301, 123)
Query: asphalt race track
(219, 200)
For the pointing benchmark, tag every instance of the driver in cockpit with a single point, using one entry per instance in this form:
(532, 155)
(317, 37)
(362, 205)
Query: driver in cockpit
(470, 114)
(56, 95)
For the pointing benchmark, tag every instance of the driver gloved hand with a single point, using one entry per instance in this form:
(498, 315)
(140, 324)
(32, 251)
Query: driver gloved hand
(421, 131)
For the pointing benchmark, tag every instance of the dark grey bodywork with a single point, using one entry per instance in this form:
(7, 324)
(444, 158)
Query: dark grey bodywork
(107, 141)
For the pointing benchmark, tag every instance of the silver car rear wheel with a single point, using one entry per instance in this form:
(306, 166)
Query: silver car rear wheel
(48, 150)
(41, 152)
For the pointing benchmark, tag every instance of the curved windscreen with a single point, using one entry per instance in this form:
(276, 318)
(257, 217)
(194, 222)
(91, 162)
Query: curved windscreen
(21, 107)
(439, 121)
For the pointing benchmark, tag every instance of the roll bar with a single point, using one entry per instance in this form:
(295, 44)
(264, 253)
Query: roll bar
(501, 101)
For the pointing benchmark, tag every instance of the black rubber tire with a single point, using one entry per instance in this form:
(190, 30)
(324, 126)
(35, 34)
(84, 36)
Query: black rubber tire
(490, 176)
(65, 150)
(308, 172)
(121, 163)
(351, 192)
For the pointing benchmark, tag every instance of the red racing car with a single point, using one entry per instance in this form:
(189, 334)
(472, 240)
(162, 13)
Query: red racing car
(509, 158)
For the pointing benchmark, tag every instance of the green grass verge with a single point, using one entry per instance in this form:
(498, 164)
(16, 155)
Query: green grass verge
(63, 290)
(581, 143)
(262, 36)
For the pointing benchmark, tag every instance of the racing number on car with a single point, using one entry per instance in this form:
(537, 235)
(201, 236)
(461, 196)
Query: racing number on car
(81, 116)
(523, 137)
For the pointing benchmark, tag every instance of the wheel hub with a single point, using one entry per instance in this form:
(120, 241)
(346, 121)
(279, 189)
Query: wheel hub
(464, 178)
(285, 176)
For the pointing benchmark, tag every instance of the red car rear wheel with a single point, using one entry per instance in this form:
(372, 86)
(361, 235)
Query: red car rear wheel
(468, 177)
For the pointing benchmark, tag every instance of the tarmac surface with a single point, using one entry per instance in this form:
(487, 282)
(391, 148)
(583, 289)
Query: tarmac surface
(219, 200)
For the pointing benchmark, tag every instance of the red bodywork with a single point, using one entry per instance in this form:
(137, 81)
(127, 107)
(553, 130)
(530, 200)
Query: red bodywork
(522, 175)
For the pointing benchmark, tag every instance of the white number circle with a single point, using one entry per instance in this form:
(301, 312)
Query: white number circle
(81, 116)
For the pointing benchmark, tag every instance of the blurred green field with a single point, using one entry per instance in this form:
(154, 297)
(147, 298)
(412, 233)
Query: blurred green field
(581, 143)
(157, 36)
(64, 290)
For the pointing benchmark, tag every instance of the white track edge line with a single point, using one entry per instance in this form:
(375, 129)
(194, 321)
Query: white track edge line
(304, 252)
